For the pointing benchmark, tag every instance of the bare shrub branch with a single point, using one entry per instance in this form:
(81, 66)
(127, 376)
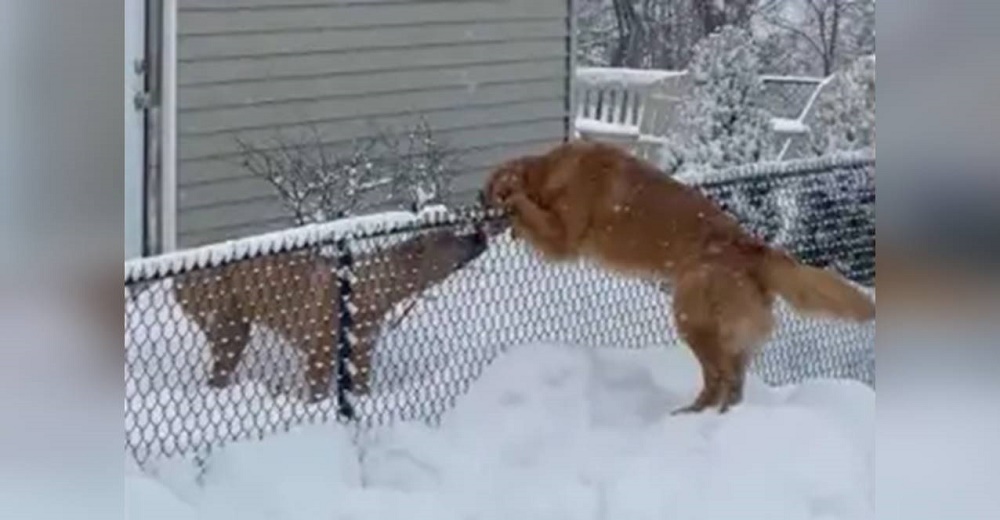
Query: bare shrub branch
(316, 181)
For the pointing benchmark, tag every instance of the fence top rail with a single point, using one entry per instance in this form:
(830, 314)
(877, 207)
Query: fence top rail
(381, 224)
(298, 238)
(786, 168)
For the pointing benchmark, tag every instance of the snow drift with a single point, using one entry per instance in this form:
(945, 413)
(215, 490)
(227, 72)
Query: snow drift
(555, 432)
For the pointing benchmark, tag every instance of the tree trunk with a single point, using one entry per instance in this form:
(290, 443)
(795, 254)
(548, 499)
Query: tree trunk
(838, 6)
(710, 17)
(624, 24)
(631, 35)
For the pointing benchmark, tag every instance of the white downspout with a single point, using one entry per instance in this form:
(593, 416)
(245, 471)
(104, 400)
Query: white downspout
(168, 128)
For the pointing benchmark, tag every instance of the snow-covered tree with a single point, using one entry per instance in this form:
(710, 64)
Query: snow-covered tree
(784, 53)
(822, 35)
(652, 34)
(860, 30)
(804, 37)
(596, 33)
(844, 117)
(722, 121)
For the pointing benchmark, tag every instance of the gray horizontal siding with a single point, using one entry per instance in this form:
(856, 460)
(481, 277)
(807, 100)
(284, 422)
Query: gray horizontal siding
(223, 219)
(257, 93)
(227, 170)
(231, 217)
(307, 66)
(489, 75)
(238, 188)
(208, 235)
(196, 200)
(445, 97)
(241, 16)
(227, 46)
(447, 123)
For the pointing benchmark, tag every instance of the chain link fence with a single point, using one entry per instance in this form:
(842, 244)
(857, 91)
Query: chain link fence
(787, 96)
(389, 318)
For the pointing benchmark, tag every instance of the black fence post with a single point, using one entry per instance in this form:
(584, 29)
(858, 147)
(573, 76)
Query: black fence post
(345, 327)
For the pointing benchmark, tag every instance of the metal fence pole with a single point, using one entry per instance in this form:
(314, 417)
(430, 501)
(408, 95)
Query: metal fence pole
(345, 327)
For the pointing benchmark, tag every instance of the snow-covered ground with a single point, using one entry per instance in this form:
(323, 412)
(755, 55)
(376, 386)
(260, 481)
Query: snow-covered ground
(555, 432)
(506, 297)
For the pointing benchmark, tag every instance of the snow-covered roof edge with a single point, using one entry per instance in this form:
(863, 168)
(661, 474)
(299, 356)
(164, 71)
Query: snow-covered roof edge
(301, 237)
(853, 159)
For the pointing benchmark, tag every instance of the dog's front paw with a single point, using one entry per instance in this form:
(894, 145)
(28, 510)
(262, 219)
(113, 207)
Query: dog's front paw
(515, 200)
(500, 189)
(502, 195)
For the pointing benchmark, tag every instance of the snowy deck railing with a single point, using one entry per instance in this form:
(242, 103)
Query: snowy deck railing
(396, 315)
(628, 106)
(636, 107)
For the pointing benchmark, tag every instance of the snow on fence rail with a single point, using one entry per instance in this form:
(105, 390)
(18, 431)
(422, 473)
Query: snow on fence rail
(391, 317)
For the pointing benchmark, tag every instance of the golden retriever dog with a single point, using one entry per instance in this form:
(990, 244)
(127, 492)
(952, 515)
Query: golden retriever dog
(298, 296)
(589, 200)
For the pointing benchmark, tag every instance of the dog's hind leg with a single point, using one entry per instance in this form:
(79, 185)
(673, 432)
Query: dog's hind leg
(228, 336)
(724, 318)
(704, 346)
(749, 322)
(734, 372)
(319, 367)
(321, 331)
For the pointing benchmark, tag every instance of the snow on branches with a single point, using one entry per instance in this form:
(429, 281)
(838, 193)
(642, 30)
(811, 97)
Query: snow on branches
(845, 113)
(723, 121)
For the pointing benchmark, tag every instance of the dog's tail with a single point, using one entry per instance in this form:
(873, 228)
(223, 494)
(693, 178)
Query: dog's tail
(814, 291)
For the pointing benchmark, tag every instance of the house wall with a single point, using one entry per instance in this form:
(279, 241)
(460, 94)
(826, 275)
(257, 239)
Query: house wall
(491, 77)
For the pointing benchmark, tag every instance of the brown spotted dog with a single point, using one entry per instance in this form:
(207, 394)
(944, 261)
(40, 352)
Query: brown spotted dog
(594, 200)
(297, 295)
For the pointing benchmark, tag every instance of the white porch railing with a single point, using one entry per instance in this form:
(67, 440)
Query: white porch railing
(626, 106)
(636, 108)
